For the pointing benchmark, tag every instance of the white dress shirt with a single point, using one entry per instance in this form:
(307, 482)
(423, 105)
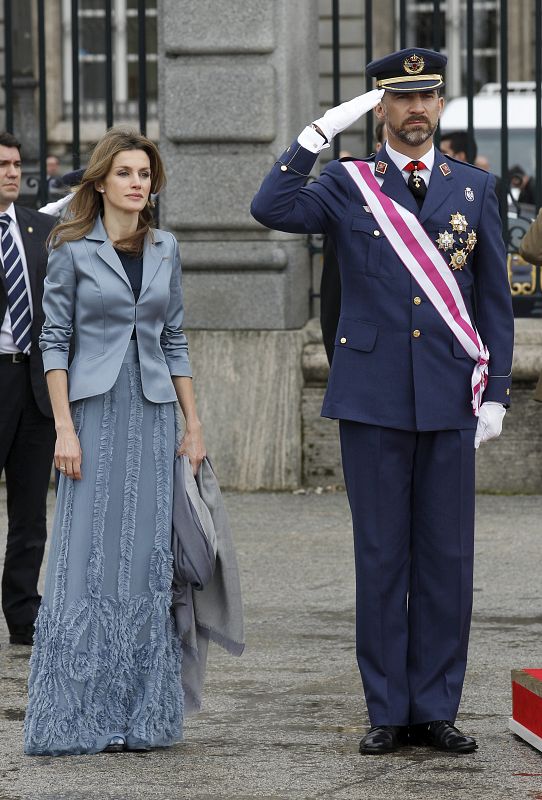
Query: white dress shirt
(400, 161)
(7, 345)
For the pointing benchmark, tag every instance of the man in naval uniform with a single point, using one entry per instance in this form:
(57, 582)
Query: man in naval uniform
(403, 385)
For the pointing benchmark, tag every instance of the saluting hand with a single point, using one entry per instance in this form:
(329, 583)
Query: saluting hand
(341, 117)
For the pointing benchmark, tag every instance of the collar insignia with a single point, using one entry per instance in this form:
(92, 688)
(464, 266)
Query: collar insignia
(445, 169)
(381, 167)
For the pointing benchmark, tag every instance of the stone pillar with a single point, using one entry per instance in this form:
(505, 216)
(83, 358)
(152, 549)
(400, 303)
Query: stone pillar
(238, 81)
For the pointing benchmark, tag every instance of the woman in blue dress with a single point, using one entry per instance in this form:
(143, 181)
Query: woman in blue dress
(105, 668)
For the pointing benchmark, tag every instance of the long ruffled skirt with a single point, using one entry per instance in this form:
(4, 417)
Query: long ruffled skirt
(106, 658)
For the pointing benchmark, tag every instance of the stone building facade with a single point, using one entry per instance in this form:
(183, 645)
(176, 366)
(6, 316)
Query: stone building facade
(235, 83)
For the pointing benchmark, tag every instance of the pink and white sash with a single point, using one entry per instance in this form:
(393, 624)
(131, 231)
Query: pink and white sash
(421, 257)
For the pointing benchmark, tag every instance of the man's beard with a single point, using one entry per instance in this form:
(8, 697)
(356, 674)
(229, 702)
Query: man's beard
(413, 137)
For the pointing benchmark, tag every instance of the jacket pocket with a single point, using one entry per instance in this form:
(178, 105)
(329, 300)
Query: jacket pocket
(356, 335)
(366, 243)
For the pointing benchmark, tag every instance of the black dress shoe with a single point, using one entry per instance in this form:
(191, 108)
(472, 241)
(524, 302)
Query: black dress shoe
(383, 739)
(21, 634)
(442, 735)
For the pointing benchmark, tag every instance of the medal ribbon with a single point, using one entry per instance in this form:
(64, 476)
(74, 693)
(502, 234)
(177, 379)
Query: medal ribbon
(421, 257)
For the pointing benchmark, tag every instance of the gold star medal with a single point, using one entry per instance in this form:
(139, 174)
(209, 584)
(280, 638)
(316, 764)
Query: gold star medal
(471, 241)
(458, 222)
(445, 240)
(458, 259)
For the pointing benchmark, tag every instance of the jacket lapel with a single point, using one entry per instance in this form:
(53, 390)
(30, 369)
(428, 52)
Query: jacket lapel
(395, 185)
(105, 249)
(152, 258)
(152, 254)
(32, 245)
(440, 186)
(107, 253)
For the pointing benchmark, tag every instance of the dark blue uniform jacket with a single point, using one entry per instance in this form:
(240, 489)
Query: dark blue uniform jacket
(396, 363)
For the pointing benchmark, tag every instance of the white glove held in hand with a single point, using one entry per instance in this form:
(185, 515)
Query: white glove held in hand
(489, 422)
(338, 119)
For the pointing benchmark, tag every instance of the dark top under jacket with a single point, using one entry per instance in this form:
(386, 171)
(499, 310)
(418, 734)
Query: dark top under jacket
(133, 267)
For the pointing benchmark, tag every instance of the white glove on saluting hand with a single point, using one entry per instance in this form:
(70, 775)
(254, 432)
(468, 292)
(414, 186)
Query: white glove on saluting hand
(338, 119)
(489, 422)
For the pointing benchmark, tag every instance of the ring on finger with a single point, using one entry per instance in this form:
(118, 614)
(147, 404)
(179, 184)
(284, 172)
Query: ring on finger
(62, 468)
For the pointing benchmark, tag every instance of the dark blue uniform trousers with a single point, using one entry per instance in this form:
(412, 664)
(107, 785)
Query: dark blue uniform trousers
(412, 500)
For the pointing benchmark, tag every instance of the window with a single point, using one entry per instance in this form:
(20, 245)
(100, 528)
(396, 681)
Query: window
(92, 66)
(453, 16)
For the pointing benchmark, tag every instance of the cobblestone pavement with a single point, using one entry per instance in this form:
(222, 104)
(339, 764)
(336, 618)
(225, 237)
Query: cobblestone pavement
(284, 721)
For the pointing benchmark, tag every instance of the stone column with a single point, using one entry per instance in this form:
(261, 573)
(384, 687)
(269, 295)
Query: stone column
(238, 81)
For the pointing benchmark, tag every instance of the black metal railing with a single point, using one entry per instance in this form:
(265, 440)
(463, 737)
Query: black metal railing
(525, 279)
(35, 184)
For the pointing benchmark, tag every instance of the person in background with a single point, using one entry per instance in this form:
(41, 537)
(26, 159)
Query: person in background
(380, 135)
(27, 432)
(522, 187)
(455, 145)
(482, 162)
(330, 282)
(54, 177)
(531, 250)
(58, 208)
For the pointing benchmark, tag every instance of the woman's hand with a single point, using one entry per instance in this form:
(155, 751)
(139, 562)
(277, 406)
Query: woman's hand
(68, 453)
(193, 446)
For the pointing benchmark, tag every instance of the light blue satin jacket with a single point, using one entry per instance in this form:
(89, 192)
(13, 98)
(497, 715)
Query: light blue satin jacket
(88, 296)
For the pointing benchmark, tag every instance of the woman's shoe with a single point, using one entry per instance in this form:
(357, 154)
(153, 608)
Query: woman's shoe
(116, 745)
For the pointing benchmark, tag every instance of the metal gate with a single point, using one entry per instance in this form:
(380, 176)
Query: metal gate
(74, 55)
(525, 279)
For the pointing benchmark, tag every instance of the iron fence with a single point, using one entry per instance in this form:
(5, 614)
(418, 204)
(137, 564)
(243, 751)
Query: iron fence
(525, 279)
(36, 182)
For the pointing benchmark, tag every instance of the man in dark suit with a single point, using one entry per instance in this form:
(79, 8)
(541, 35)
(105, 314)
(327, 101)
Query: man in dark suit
(27, 433)
(425, 298)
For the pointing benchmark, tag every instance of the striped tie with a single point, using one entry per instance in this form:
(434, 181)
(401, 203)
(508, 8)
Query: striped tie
(19, 306)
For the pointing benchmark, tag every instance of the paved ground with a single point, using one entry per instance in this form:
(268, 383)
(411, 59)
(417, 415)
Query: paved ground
(284, 721)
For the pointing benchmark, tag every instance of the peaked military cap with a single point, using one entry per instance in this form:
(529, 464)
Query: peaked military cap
(73, 178)
(411, 70)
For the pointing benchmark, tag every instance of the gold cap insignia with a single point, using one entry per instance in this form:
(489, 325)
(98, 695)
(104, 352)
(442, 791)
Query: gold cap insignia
(381, 167)
(445, 169)
(413, 64)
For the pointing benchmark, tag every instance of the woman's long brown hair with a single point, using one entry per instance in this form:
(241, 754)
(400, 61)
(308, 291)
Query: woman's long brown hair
(87, 202)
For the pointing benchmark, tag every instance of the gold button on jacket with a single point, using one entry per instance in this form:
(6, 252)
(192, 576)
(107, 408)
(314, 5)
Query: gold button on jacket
(416, 333)
(343, 340)
(417, 301)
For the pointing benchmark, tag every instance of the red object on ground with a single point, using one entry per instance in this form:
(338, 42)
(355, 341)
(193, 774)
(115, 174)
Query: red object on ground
(526, 720)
